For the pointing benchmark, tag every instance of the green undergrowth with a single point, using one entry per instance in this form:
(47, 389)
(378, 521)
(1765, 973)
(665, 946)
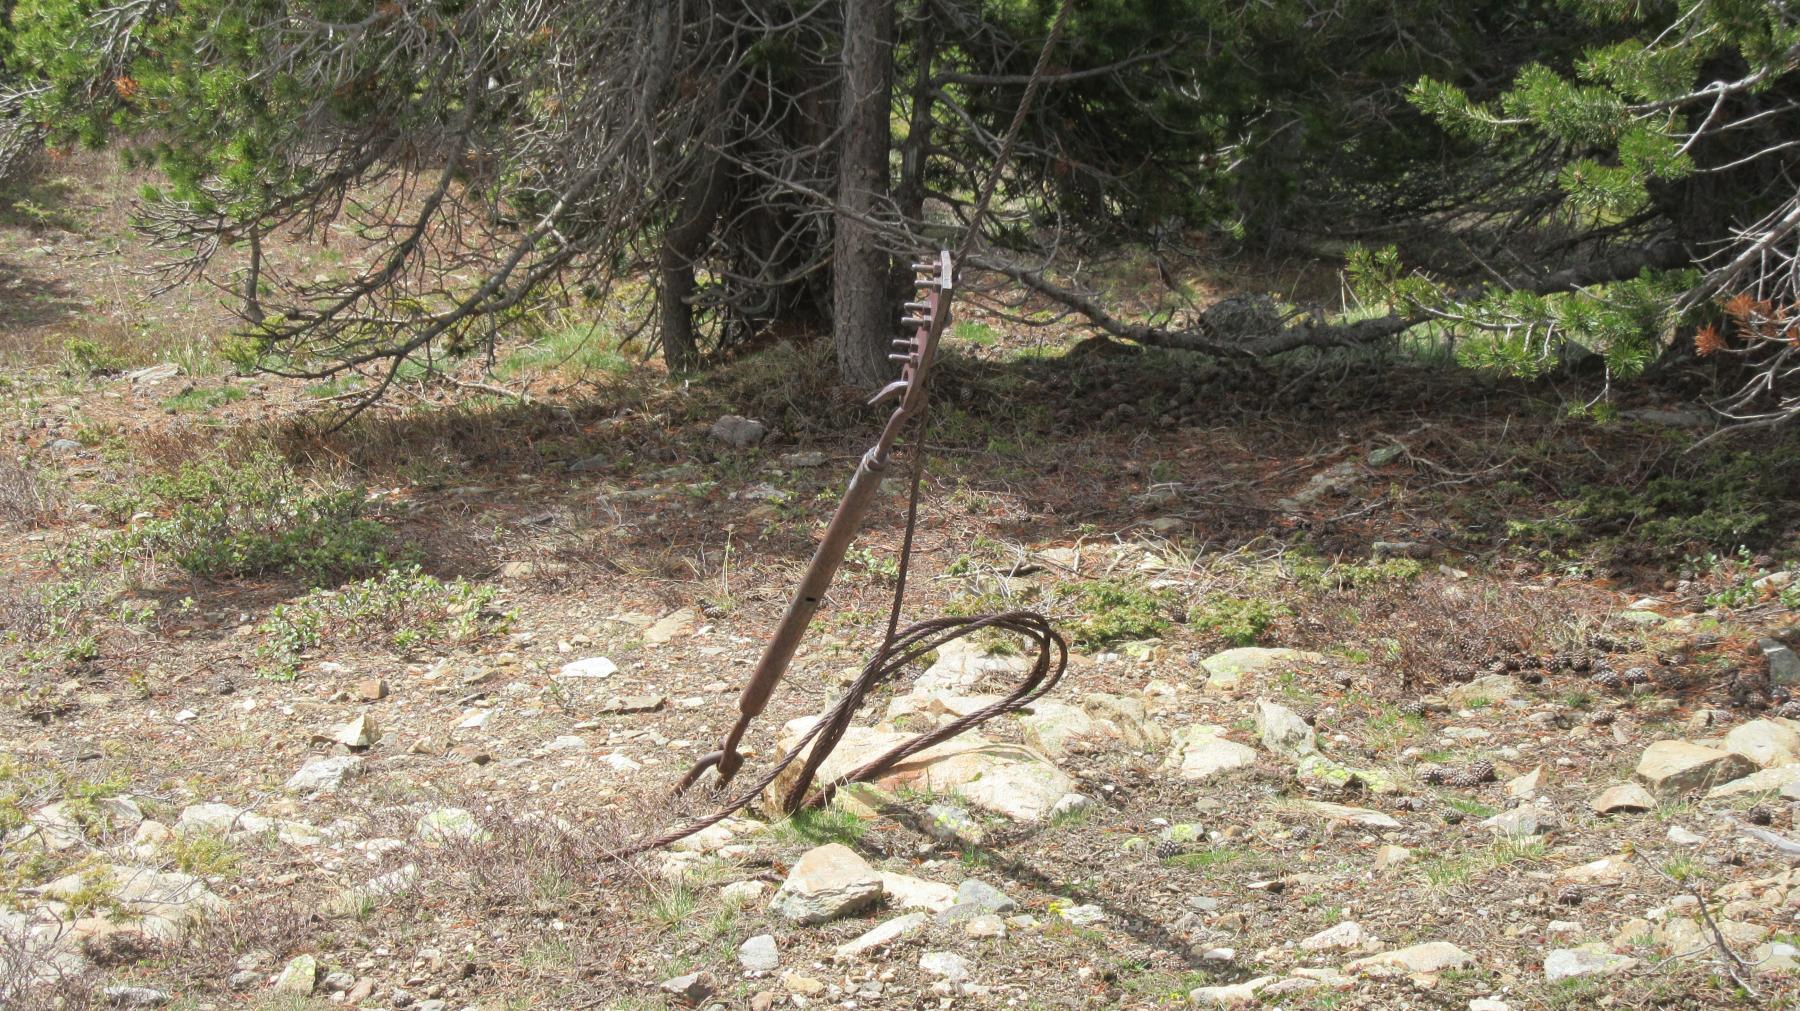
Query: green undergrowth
(229, 520)
(403, 608)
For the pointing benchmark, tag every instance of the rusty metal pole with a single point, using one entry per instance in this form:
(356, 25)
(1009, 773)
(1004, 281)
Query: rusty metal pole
(927, 317)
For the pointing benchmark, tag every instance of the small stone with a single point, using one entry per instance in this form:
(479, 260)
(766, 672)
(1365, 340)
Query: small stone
(1391, 856)
(1623, 797)
(985, 925)
(743, 893)
(1682, 837)
(1201, 752)
(826, 883)
(949, 823)
(945, 965)
(985, 897)
(1784, 663)
(1765, 742)
(338, 982)
(1484, 1004)
(1772, 780)
(360, 732)
(1521, 822)
(1346, 936)
(300, 976)
(1568, 963)
(371, 689)
(739, 432)
(805, 986)
(1227, 670)
(880, 936)
(759, 954)
(588, 667)
(904, 891)
(1086, 915)
(634, 704)
(1283, 731)
(473, 754)
(449, 824)
(692, 989)
(324, 774)
(1353, 815)
(1525, 787)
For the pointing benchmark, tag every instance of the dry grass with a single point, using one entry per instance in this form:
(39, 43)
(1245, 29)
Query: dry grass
(28, 499)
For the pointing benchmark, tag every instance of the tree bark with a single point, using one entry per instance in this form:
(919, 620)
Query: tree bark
(682, 244)
(862, 313)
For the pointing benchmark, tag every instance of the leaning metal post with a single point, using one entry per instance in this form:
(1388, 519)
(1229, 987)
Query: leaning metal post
(927, 317)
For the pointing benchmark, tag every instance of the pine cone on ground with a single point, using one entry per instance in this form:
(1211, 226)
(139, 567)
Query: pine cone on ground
(1569, 896)
(1602, 717)
(1608, 678)
(1436, 775)
(1473, 775)
(1789, 710)
(1412, 707)
(1635, 676)
(1167, 848)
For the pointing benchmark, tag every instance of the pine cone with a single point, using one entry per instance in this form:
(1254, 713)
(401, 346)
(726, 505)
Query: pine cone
(1608, 678)
(1635, 676)
(1602, 717)
(1569, 896)
(1412, 707)
(1789, 710)
(1602, 642)
(1167, 848)
(1436, 775)
(1760, 815)
(1473, 775)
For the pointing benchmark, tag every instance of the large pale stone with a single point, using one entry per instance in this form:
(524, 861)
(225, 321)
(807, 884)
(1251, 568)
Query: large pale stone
(962, 665)
(299, 977)
(826, 883)
(1569, 963)
(1771, 780)
(1613, 870)
(1236, 995)
(1432, 956)
(1784, 663)
(1007, 779)
(1483, 691)
(908, 892)
(1318, 770)
(1131, 716)
(324, 774)
(1765, 742)
(1346, 936)
(1201, 752)
(1283, 731)
(1353, 815)
(162, 903)
(1673, 768)
(1227, 670)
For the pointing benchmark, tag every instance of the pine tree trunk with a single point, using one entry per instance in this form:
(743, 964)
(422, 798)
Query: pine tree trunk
(862, 313)
(684, 241)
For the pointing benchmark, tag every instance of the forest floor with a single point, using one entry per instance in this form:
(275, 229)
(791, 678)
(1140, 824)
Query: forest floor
(299, 718)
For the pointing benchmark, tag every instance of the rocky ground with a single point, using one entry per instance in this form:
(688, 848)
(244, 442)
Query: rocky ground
(1364, 709)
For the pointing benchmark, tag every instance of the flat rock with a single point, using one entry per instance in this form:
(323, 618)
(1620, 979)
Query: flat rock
(449, 825)
(596, 667)
(985, 897)
(324, 774)
(1771, 780)
(1227, 670)
(963, 665)
(1236, 995)
(692, 989)
(1283, 731)
(1765, 742)
(828, 882)
(1522, 822)
(880, 937)
(907, 892)
(1317, 770)
(634, 704)
(1201, 752)
(1353, 815)
(1432, 956)
(1672, 768)
(1569, 963)
(1612, 870)
(671, 625)
(1622, 797)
